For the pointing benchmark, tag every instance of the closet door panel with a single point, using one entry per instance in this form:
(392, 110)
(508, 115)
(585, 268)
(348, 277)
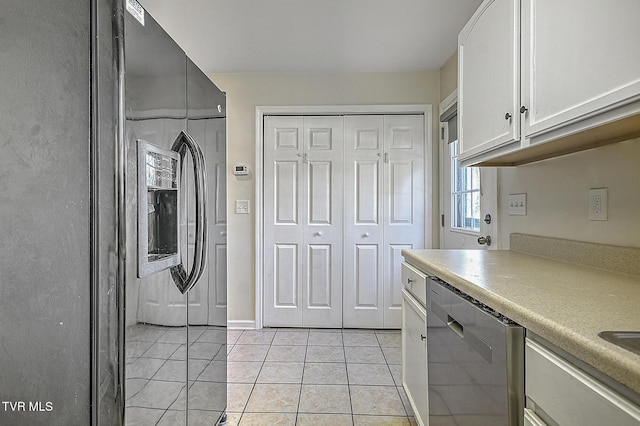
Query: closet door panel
(283, 206)
(322, 217)
(286, 195)
(366, 268)
(321, 194)
(285, 267)
(366, 200)
(363, 227)
(319, 277)
(404, 212)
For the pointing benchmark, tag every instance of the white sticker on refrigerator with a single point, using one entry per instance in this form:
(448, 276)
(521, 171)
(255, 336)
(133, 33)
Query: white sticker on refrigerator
(136, 10)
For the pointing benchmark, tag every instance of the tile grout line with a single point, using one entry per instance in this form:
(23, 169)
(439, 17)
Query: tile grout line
(304, 361)
(255, 382)
(346, 367)
(394, 381)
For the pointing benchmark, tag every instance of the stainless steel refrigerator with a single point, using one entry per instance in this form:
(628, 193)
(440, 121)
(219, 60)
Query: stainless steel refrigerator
(113, 221)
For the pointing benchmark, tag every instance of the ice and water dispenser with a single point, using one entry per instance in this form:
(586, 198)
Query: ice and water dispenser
(158, 208)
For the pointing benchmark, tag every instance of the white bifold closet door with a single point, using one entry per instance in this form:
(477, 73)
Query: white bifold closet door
(303, 185)
(343, 196)
(384, 214)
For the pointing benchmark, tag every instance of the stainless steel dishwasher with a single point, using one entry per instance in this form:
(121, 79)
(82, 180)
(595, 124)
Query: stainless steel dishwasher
(475, 361)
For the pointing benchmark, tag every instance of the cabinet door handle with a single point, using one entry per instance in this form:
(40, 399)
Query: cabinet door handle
(422, 337)
(523, 109)
(507, 116)
(410, 281)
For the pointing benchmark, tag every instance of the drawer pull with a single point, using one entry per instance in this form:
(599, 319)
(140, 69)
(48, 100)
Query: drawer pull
(410, 281)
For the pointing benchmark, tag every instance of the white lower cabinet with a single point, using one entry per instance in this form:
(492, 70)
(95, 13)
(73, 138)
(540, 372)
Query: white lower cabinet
(414, 356)
(559, 393)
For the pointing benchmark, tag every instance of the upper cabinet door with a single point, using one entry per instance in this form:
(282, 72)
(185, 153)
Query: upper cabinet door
(489, 78)
(579, 58)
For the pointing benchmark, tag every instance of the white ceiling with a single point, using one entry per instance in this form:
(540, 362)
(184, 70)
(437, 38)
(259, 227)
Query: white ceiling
(314, 35)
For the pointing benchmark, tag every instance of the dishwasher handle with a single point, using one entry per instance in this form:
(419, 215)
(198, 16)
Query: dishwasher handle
(455, 326)
(481, 347)
(447, 319)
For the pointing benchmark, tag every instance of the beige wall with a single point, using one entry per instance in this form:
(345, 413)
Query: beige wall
(557, 196)
(245, 92)
(449, 76)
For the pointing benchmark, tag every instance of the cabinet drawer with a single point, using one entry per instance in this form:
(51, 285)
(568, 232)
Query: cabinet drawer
(571, 397)
(415, 282)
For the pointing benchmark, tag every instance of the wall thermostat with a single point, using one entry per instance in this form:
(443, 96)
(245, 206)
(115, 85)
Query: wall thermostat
(241, 170)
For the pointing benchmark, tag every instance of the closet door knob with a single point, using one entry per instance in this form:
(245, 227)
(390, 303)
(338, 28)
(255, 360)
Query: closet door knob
(366, 235)
(507, 116)
(318, 234)
(523, 109)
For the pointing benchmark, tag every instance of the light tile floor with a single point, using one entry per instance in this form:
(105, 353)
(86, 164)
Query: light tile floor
(316, 377)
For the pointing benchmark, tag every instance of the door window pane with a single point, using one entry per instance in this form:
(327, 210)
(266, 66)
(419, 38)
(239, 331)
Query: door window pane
(465, 194)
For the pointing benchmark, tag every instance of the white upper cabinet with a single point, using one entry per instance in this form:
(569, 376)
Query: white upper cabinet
(578, 58)
(489, 78)
(578, 85)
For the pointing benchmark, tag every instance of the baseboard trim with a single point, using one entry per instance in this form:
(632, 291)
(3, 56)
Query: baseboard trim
(241, 325)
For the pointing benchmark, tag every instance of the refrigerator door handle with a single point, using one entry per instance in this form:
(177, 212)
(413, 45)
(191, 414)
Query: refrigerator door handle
(185, 281)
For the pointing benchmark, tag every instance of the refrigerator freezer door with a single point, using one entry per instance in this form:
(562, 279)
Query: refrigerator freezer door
(176, 318)
(156, 329)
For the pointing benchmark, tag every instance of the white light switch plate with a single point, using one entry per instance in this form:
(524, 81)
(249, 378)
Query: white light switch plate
(242, 207)
(517, 204)
(598, 204)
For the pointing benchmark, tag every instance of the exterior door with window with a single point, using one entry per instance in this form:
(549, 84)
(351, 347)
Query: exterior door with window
(469, 195)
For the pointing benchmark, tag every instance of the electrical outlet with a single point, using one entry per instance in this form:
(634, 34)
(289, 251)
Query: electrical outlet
(517, 204)
(598, 204)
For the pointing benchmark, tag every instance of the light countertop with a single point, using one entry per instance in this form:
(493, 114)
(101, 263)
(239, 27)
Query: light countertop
(566, 304)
